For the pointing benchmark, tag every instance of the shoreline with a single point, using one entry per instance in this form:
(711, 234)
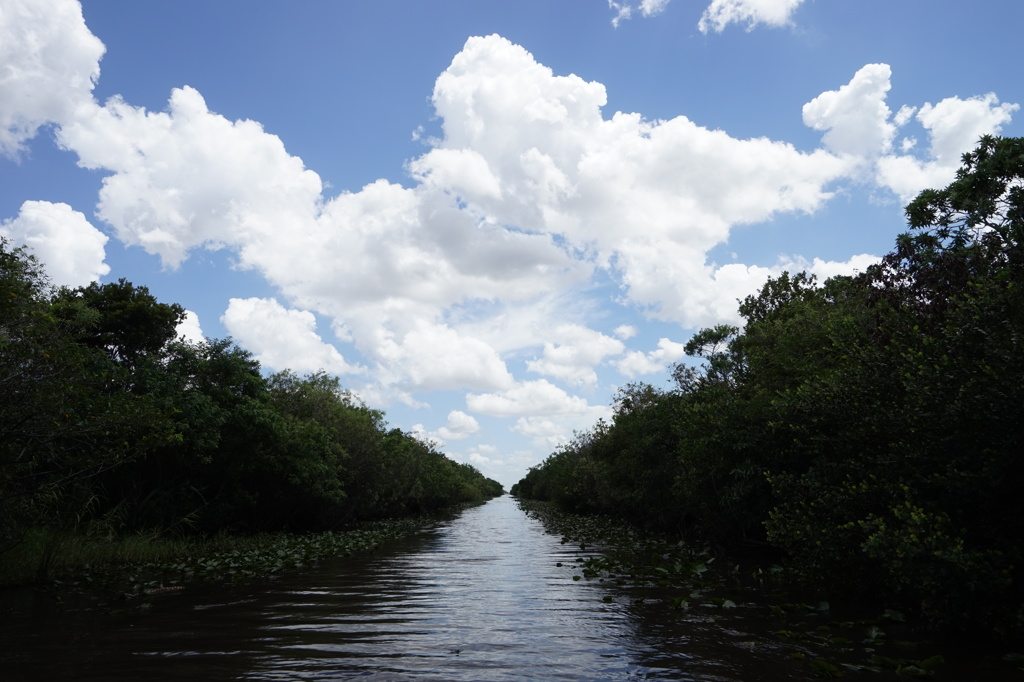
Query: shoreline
(111, 572)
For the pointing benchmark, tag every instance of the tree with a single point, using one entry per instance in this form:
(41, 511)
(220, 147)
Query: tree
(917, 494)
(984, 204)
(61, 426)
(123, 320)
(872, 425)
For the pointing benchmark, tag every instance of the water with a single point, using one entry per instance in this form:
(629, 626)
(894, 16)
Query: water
(477, 598)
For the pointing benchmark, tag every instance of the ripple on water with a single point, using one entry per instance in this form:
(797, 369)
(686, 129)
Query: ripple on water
(478, 598)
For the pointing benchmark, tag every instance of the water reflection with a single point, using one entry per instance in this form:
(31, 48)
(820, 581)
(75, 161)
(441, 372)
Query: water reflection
(479, 598)
(476, 598)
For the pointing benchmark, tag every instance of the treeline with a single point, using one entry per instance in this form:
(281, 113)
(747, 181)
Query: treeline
(109, 421)
(870, 428)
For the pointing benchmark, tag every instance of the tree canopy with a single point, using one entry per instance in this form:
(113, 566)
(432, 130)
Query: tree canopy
(107, 418)
(870, 427)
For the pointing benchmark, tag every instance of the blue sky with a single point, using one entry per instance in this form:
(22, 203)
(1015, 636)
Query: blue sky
(483, 217)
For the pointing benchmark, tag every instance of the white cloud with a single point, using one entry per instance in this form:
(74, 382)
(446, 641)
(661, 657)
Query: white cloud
(189, 328)
(485, 449)
(721, 13)
(282, 339)
(50, 64)
(855, 117)
(529, 189)
(625, 331)
(528, 398)
(859, 125)
(825, 269)
(954, 127)
(479, 460)
(566, 170)
(190, 177)
(459, 427)
(463, 172)
(71, 249)
(436, 357)
(904, 115)
(490, 253)
(636, 363)
(622, 11)
(573, 352)
(647, 8)
(549, 432)
(718, 291)
(956, 124)
(541, 428)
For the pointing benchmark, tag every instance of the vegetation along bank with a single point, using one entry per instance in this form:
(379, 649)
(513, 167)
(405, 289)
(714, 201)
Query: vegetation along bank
(119, 440)
(866, 430)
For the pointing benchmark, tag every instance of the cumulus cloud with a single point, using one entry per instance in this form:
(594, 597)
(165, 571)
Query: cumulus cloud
(572, 353)
(384, 263)
(188, 177)
(67, 244)
(636, 362)
(718, 290)
(824, 269)
(625, 331)
(463, 170)
(546, 141)
(855, 117)
(458, 427)
(541, 428)
(527, 398)
(436, 357)
(281, 338)
(527, 157)
(478, 459)
(721, 13)
(551, 432)
(565, 169)
(954, 126)
(189, 328)
(529, 189)
(50, 64)
(859, 125)
(530, 195)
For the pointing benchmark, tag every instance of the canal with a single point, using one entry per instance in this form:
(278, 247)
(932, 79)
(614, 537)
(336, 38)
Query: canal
(480, 597)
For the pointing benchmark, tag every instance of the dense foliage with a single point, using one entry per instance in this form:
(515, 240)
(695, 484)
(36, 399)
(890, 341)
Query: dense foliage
(870, 427)
(110, 424)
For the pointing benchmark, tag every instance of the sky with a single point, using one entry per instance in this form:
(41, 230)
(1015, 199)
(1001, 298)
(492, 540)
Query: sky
(484, 217)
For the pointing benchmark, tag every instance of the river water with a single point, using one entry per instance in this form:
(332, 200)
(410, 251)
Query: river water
(479, 597)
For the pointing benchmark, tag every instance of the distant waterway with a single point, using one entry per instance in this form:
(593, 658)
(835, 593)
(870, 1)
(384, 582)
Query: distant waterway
(480, 597)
